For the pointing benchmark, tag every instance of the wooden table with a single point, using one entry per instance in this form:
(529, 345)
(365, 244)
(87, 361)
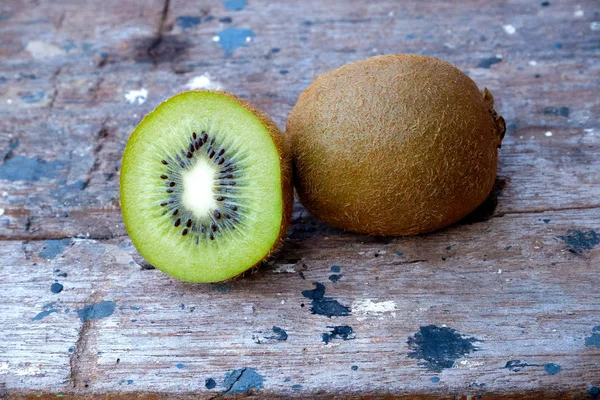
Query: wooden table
(503, 305)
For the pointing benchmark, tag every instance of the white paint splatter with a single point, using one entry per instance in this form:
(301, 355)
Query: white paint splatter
(548, 134)
(4, 194)
(138, 96)
(391, 14)
(595, 26)
(216, 38)
(8, 101)
(1, 212)
(509, 29)
(533, 63)
(578, 13)
(499, 56)
(285, 269)
(204, 81)
(369, 307)
(248, 39)
(30, 370)
(589, 130)
(42, 50)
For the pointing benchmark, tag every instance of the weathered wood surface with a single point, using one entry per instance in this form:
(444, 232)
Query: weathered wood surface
(518, 281)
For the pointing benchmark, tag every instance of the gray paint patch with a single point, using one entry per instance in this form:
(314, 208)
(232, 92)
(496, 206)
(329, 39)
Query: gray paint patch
(97, 311)
(235, 5)
(242, 380)
(232, 38)
(54, 247)
(19, 168)
(48, 309)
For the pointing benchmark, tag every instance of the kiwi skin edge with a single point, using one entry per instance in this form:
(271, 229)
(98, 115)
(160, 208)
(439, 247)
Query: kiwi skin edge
(394, 145)
(282, 146)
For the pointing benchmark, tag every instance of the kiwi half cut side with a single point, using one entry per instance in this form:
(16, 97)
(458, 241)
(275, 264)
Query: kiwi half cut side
(206, 188)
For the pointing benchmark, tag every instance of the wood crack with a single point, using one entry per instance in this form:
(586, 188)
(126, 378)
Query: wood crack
(153, 48)
(83, 359)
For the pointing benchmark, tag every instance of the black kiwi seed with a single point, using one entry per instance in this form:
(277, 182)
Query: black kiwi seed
(213, 227)
(220, 198)
(164, 162)
(217, 214)
(164, 177)
(178, 222)
(194, 135)
(185, 232)
(188, 223)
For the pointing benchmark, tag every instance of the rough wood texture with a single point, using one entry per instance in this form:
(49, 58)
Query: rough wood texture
(503, 305)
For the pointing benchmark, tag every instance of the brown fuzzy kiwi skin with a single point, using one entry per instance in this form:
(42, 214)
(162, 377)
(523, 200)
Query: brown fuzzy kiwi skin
(394, 145)
(282, 143)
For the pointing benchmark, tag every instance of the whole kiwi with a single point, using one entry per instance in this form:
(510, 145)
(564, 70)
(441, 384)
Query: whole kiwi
(394, 145)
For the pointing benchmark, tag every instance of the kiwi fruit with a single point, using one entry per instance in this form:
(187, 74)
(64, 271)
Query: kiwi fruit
(206, 188)
(394, 145)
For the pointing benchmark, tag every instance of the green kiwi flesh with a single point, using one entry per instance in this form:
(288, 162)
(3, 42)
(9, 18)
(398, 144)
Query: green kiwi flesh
(394, 145)
(206, 186)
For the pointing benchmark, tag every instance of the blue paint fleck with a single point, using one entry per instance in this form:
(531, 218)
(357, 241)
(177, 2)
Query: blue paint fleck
(399, 253)
(275, 50)
(560, 111)
(187, 21)
(552, 368)
(487, 62)
(354, 368)
(594, 392)
(335, 268)
(48, 309)
(56, 287)
(19, 168)
(410, 36)
(578, 242)
(439, 347)
(283, 71)
(335, 277)
(287, 380)
(232, 38)
(343, 332)
(180, 366)
(220, 287)
(281, 334)
(210, 383)
(68, 47)
(67, 310)
(226, 20)
(54, 247)
(242, 381)
(129, 381)
(323, 305)
(596, 329)
(235, 5)
(296, 387)
(435, 379)
(97, 311)
(593, 340)
(31, 98)
(558, 45)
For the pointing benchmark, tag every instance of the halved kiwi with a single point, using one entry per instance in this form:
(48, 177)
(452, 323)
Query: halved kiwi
(206, 186)
(394, 145)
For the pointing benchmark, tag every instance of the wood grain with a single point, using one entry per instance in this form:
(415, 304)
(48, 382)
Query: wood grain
(518, 279)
